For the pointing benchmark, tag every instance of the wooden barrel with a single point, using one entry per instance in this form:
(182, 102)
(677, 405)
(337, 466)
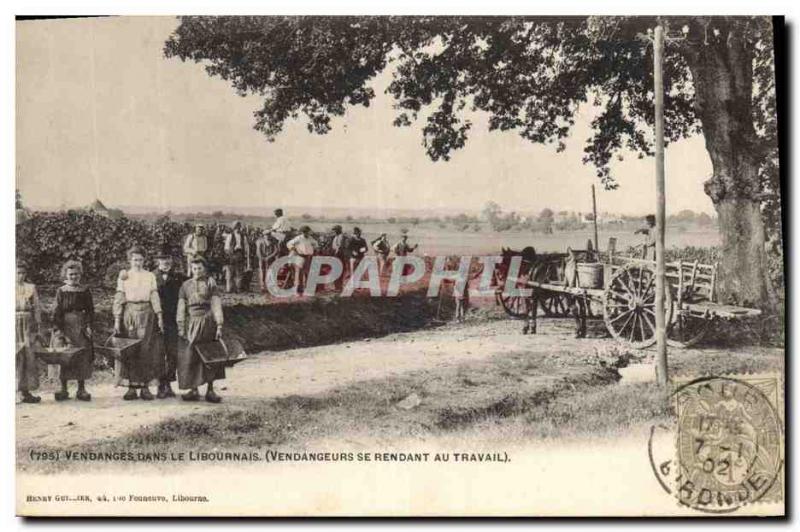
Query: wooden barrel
(590, 275)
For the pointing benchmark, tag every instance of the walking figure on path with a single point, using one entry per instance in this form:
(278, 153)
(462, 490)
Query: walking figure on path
(199, 320)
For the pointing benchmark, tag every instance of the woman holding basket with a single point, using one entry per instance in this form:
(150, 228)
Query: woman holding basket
(137, 314)
(28, 320)
(199, 320)
(73, 318)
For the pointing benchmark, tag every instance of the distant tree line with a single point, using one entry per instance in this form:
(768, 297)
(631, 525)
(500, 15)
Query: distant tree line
(549, 221)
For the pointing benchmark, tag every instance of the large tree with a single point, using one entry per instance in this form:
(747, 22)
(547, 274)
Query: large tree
(530, 75)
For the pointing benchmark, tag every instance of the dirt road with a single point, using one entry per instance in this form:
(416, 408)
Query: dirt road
(294, 372)
(544, 476)
(316, 370)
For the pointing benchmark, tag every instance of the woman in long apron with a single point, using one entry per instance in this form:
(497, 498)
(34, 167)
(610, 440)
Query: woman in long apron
(73, 318)
(137, 314)
(199, 320)
(28, 321)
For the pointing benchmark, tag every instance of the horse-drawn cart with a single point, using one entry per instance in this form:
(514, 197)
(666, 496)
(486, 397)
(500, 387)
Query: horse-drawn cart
(622, 289)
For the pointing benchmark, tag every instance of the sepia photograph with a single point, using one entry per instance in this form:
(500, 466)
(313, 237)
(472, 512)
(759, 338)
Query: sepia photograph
(406, 266)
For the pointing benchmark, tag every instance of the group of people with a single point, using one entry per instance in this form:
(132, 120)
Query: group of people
(169, 313)
(242, 246)
(227, 251)
(350, 249)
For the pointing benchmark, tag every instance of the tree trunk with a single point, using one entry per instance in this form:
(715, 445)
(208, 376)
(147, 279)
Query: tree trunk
(743, 269)
(722, 72)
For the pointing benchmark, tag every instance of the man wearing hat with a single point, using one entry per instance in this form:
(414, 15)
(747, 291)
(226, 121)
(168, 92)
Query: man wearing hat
(357, 249)
(237, 253)
(195, 244)
(649, 232)
(281, 226)
(382, 250)
(339, 247)
(169, 284)
(303, 245)
(402, 248)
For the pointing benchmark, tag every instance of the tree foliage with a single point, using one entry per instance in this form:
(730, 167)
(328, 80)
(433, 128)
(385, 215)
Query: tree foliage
(528, 74)
(531, 75)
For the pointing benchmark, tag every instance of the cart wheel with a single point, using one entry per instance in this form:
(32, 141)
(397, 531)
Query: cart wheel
(553, 304)
(686, 330)
(515, 306)
(629, 306)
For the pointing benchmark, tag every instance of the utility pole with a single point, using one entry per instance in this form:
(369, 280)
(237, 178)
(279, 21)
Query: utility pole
(662, 376)
(594, 211)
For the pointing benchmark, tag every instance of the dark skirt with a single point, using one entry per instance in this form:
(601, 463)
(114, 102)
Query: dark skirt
(139, 321)
(170, 366)
(191, 370)
(81, 365)
(27, 365)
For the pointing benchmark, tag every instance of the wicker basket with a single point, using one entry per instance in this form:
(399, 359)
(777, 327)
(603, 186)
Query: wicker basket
(119, 348)
(225, 352)
(56, 355)
(590, 275)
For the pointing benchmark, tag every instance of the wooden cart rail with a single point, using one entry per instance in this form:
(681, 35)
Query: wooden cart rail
(627, 296)
(564, 289)
(709, 310)
(693, 281)
(628, 301)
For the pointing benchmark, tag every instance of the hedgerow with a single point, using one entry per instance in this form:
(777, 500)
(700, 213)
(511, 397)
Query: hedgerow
(47, 239)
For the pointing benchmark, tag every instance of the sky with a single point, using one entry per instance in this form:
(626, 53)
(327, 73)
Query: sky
(102, 114)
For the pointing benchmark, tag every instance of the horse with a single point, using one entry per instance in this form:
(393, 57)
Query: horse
(528, 255)
(527, 268)
(535, 268)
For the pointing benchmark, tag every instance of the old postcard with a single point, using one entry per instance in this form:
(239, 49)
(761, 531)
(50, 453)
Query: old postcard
(399, 266)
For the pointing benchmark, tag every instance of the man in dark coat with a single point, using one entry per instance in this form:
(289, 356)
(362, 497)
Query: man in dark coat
(237, 253)
(169, 284)
(358, 248)
(340, 245)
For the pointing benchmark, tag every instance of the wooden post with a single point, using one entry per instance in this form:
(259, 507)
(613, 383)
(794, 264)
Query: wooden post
(662, 376)
(713, 296)
(594, 210)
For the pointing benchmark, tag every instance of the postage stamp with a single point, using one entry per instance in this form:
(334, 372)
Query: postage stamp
(728, 442)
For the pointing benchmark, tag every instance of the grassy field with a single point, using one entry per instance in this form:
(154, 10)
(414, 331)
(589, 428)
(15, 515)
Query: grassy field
(436, 240)
(478, 238)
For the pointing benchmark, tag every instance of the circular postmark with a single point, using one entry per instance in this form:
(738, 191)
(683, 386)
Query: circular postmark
(728, 445)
